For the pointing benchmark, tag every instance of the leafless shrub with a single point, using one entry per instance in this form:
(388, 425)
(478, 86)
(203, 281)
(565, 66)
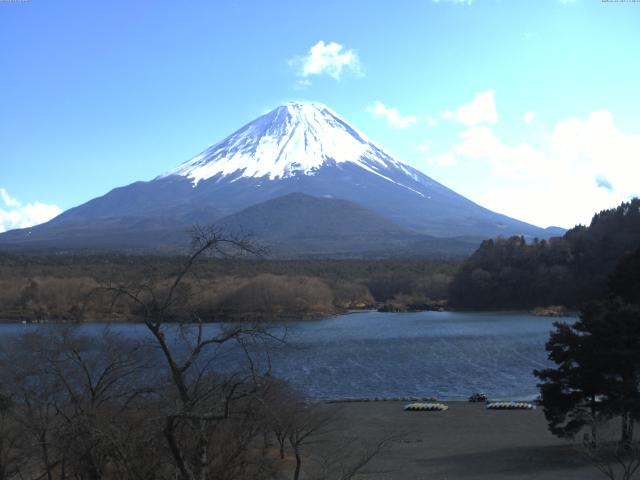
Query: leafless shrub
(269, 296)
(614, 459)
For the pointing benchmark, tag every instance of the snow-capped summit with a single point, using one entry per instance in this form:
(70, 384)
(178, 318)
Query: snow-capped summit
(296, 138)
(299, 176)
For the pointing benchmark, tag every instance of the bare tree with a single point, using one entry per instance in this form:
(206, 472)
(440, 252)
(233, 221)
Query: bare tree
(190, 401)
(103, 378)
(70, 392)
(35, 400)
(279, 405)
(203, 401)
(615, 459)
(308, 422)
(11, 460)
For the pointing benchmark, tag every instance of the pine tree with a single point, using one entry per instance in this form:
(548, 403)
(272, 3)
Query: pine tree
(598, 371)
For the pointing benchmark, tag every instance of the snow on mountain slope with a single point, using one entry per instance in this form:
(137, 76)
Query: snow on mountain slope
(293, 139)
(298, 148)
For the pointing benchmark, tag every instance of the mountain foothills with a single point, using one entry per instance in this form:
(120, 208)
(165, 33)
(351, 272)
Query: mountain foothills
(581, 266)
(299, 178)
(504, 273)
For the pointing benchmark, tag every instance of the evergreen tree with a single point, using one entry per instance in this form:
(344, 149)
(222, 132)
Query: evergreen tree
(598, 371)
(511, 273)
(625, 279)
(572, 392)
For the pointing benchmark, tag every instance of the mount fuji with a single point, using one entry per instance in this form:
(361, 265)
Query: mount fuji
(300, 178)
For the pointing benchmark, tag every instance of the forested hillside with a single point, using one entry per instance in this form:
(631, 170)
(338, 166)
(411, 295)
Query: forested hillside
(511, 273)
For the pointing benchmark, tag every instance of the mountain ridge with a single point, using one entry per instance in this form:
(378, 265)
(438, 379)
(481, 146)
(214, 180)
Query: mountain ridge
(297, 225)
(297, 147)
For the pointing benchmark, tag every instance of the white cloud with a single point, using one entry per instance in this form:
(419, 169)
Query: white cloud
(7, 199)
(328, 59)
(391, 115)
(447, 115)
(482, 109)
(302, 84)
(431, 122)
(529, 117)
(580, 167)
(597, 142)
(518, 161)
(14, 214)
(424, 147)
(447, 159)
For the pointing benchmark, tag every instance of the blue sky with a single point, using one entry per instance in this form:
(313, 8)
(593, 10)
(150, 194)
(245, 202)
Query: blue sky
(528, 108)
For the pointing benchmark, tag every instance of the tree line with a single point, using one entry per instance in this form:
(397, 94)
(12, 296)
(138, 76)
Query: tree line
(595, 383)
(179, 402)
(513, 273)
(70, 287)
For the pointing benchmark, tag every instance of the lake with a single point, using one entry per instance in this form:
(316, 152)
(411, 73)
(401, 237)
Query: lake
(371, 354)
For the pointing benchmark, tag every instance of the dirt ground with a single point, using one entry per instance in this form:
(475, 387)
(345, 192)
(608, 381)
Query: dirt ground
(466, 442)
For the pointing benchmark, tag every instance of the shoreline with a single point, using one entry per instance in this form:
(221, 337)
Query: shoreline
(283, 318)
(413, 399)
(467, 441)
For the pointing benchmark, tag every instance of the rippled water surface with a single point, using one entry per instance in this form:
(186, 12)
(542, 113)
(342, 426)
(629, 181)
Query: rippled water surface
(444, 354)
(370, 354)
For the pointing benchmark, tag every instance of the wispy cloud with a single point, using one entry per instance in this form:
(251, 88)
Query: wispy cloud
(602, 182)
(447, 159)
(588, 157)
(8, 200)
(330, 59)
(431, 122)
(482, 109)
(424, 147)
(529, 117)
(15, 214)
(391, 115)
(302, 84)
